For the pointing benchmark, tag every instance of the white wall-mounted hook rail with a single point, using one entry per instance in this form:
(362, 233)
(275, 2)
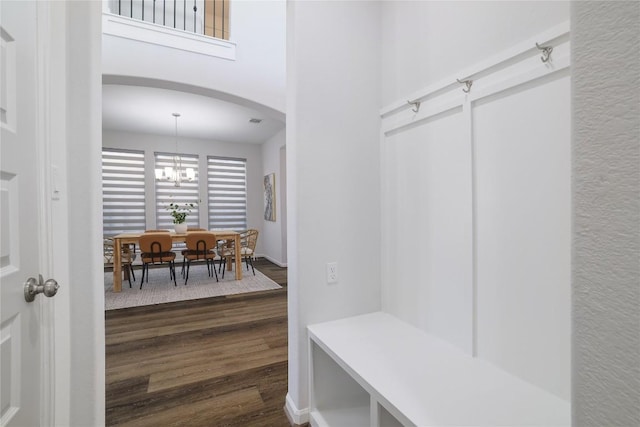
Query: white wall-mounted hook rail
(546, 52)
(416, 105)
(468, 83)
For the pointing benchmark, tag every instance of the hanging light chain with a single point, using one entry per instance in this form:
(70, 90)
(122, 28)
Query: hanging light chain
(176, 174)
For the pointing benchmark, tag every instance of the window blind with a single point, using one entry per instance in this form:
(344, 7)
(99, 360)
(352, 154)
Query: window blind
(227, 192)
(167, 192)
(123, 204)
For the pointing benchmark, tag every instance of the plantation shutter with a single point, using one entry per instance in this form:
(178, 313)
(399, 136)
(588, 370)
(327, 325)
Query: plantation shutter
(227, 192)
(123, 204)
(167, 192)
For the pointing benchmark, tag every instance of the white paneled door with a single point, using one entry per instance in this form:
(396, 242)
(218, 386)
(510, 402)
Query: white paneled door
(23, 393)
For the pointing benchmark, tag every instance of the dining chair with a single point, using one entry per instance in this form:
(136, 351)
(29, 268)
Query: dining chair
(248, 241)
(201, 246)
(189, 230)
(127, 256)
(155, 248)
(248, 247)
(226, 250)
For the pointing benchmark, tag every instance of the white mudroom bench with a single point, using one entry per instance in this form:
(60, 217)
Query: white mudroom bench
(376, 370)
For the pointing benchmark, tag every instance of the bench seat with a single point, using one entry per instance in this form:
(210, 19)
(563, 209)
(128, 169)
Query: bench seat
(399, 375)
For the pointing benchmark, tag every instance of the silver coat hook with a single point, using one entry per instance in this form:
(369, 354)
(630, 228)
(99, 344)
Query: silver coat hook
(546, 52)
(416, 105)
(468, 83)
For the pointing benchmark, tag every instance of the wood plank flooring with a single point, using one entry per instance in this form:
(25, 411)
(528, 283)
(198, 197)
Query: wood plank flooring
(211, 362)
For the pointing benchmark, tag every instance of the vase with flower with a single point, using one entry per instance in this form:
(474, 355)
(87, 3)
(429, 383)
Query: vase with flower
(179, 214)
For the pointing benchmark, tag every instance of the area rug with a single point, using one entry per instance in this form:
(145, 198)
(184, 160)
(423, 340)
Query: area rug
(160, 289)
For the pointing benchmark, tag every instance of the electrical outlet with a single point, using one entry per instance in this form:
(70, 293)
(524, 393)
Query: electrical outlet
(332, 272)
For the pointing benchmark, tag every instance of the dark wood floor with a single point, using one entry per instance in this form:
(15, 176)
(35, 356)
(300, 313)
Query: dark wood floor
(212, 362)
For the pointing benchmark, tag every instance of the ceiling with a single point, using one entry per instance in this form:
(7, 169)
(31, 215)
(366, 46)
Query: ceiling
(149, 110)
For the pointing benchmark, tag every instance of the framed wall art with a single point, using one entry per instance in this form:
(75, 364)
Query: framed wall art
(270, 197)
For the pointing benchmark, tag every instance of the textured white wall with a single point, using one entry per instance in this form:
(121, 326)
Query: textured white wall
(606, 219)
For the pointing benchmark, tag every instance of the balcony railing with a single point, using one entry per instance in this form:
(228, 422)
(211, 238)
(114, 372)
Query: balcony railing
(207, 17)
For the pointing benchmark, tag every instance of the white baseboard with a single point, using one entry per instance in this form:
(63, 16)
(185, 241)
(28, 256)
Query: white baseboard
(296, 416)
(268, 258)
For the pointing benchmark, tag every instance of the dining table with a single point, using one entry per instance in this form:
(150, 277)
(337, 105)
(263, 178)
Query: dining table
(133, 238)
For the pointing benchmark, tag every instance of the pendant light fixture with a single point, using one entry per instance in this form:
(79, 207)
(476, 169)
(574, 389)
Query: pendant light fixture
(176, 174)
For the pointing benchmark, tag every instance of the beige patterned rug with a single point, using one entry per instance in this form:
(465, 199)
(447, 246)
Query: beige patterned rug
(160, 289)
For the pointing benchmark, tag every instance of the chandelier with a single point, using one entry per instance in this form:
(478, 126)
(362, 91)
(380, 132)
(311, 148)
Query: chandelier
(176, 174)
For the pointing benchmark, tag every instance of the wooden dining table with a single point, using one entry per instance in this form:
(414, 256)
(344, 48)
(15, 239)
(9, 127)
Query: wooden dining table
(128, 238)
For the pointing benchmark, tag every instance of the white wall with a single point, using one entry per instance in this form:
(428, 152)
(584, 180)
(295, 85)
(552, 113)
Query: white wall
(606, 218)
(427, 202)
(426, 41)
(257, 74)
(272, 232)
(282, 187)
(81, 144)
(333, 172)
(476, 204)
(523, 223)
(152, 143)
(427, 206)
